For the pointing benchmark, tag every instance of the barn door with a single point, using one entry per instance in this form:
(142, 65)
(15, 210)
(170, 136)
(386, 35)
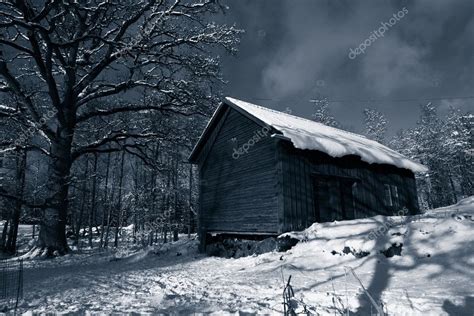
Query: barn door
(347, 198)
(333, 198)
(326, 198)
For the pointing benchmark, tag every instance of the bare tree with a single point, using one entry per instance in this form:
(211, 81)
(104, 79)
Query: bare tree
(66, 57)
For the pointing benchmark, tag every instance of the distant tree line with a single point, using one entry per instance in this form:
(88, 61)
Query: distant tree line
(445, 146)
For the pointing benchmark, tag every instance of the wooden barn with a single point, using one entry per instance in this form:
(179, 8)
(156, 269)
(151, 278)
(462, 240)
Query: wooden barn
(264, 172)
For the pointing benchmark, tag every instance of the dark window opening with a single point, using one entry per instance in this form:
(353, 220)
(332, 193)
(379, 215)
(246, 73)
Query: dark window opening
(387, 195)
(391, 196)
(334, 198)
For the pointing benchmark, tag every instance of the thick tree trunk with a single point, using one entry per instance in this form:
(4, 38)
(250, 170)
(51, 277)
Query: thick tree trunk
(15, 219)
(3, 239)
(109, 217)
(118, 227)
(453, 190)
(92, 211)
(190, 201)
(52, 235)
(105, 209)
(175, 188)
(137, 200)
(166, 205)
(13, 231)
(77, 232)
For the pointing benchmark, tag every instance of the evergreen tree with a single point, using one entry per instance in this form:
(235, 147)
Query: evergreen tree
(375, 125)
(323, 113)
(406, 143)
(457, 146)
(429, 139)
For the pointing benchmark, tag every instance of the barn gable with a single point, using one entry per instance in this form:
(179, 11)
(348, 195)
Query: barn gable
(228, 182)
(214, 124)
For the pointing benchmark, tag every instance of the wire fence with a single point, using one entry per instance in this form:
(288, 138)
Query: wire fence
(11, 284)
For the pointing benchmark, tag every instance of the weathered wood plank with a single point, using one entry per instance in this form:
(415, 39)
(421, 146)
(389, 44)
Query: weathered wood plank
(240, 194)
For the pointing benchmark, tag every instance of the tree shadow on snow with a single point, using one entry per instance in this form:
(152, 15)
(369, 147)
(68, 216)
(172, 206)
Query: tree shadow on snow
(379, 282)
(467, 309)
(457, 260)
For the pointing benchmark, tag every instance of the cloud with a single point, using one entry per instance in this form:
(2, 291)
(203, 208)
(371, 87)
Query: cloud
(394, 65)
(427, 54)
(318, 37)
(311, 47)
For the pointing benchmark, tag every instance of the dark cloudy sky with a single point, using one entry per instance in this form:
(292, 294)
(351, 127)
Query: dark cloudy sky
(293, 50)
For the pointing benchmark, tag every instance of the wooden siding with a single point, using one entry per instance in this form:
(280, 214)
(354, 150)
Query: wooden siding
(300, 167)
(238, 195)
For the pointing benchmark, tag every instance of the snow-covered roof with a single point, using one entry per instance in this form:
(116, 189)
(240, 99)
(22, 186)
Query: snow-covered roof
(307, 134)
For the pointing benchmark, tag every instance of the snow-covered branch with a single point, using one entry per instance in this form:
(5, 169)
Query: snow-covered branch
(167, 108)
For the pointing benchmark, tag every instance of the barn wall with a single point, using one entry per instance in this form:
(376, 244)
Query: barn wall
(298, 168)
(238, 195)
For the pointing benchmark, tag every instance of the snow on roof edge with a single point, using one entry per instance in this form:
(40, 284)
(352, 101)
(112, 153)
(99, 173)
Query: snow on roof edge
(311, 135)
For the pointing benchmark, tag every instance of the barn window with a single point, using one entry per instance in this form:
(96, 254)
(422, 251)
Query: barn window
(394, 191)
(388, 195)
(391, 195)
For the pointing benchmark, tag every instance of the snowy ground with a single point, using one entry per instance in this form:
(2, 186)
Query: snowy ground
(433, 276)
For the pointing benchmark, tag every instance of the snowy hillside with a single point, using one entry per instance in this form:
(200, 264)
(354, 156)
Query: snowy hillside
(432, 276)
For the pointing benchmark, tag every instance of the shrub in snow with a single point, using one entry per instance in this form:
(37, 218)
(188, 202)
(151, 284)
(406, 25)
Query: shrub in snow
(236, 248)
(393, 250)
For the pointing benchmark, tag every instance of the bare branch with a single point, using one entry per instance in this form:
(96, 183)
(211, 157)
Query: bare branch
(24, 202)
(167, 107)
(118, 138)
(15, 86)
